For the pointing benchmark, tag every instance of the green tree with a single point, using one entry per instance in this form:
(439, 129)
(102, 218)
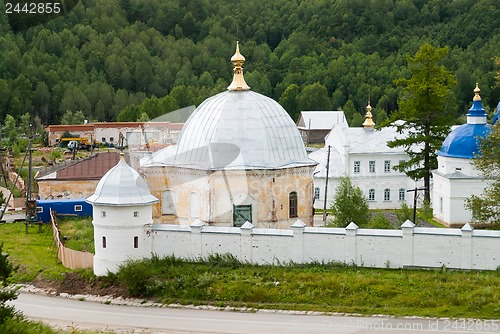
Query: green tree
(349, 112)
(129, 114)
(6, 293)
(486, 208)
(349, 205)
(143, 118)
(314, 97)
(288, 100)
(70, 117)
(9, 131)
(425, 120)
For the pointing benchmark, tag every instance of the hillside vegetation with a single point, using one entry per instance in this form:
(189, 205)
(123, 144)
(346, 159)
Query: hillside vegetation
(118, 59)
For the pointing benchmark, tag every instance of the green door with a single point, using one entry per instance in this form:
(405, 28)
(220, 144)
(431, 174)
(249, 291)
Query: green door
(241, 214)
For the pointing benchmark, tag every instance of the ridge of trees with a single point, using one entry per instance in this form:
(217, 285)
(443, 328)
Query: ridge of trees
(108, 58)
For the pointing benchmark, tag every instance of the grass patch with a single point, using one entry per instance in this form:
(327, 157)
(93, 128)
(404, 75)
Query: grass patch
(77, 233)
(34, 253)
(222, 281)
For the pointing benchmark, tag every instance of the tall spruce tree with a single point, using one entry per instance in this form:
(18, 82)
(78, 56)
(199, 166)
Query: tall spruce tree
(6, 293)
(422, 113)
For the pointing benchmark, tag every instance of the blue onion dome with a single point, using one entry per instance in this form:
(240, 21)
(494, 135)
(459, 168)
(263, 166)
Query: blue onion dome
(463, 141)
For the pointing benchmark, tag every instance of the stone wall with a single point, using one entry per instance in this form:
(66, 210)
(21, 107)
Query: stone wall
(411, 246)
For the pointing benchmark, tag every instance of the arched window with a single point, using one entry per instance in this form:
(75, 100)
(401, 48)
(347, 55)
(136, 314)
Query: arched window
(103, 242)
(402, 194)
(136, 242)
(293, 204)
(371, 195)
(387, 194)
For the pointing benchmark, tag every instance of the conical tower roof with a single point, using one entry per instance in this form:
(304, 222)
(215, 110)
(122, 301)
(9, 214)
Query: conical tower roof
(122, 186)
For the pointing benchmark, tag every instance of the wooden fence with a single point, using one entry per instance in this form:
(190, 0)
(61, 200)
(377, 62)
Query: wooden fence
(70, 258)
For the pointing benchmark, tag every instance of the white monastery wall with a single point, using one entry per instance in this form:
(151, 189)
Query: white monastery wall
(409, 247)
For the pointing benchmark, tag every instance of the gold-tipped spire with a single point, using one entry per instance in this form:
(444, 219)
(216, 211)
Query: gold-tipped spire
(238, 80)
(476, 92)
(368, 123)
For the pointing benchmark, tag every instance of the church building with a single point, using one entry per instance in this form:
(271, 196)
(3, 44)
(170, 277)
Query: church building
(362, 154)
(240, 157)
(456, 179)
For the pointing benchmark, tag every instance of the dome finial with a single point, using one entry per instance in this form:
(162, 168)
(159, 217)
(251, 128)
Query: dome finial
(238, 80)
(368, 123)
(477, 91)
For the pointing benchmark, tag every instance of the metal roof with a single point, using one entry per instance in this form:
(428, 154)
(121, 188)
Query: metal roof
(90, 168)
(122, 186)
(463, 142)
(336, 168)
(366, 141)
(239, 130)
(320, 120)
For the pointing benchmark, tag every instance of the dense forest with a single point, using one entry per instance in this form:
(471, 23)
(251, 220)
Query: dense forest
(134, 59)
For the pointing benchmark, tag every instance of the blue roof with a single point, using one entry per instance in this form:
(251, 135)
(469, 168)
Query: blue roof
(463, 141)
(477, 109)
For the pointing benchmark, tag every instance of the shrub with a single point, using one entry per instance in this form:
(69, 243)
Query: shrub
(380, 221)
(404, 213)
(350, 205)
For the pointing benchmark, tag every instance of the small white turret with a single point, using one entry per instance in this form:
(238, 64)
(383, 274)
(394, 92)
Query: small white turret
(122, 215)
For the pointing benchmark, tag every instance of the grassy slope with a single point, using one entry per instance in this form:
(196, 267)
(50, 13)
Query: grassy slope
(320, 287)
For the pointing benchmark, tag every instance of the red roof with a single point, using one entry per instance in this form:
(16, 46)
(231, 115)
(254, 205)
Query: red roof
(91, 168)
(117, 125)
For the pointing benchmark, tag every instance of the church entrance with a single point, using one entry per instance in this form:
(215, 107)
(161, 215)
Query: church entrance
(241, 214)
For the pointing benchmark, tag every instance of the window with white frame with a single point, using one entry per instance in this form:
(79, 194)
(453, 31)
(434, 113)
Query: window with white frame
(357, 166)
(387, 166)
(103, 214)
(316, 193)
(39, 209)
(78, 207)
(371, 195)
(387, 194)
(402, 194)
(136, 214)
(371, 166)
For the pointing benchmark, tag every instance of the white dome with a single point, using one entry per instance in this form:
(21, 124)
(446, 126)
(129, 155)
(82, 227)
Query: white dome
(122, 186)
(240, 130)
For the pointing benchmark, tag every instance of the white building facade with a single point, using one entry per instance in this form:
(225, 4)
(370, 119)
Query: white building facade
(362, 154)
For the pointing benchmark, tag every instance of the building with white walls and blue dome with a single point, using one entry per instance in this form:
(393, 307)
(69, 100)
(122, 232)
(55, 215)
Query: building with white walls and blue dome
(456, 179)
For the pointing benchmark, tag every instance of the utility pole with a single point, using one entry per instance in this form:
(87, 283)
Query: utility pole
(415, 195)
(326, 184)
(31, 216)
